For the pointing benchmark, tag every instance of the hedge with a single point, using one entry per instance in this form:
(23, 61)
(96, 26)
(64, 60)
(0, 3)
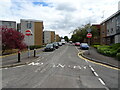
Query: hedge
(35, 47)
(109, 50)
(118, 56)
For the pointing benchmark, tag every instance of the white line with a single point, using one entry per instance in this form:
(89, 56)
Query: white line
(101, 81)
(96, 74)
(92, 69)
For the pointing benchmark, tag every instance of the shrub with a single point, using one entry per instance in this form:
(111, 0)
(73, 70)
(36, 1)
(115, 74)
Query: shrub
(118, 56)
(32, 47)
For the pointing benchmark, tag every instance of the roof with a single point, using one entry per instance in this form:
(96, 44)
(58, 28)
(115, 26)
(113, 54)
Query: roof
(115, 14)
(31, 20)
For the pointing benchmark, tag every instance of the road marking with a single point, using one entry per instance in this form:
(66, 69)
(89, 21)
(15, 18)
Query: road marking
(101, 81)
(61, 65)
(84, 67)
(97, 62)
(92, 69)
(96, 74)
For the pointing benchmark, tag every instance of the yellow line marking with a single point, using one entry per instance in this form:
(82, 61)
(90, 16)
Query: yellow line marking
(97, 62)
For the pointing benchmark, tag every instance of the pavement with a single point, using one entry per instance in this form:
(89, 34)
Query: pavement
(93, 55)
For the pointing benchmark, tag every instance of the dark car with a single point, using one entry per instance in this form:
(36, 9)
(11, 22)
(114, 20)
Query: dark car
(77, 44)
(49, 47)
(84, 46)
(55, 45)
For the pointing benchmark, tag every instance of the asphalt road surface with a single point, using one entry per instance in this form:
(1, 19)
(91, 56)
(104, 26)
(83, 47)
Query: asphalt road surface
(61, 68)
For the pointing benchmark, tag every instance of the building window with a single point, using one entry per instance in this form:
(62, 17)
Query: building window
(111, 30)
(29, 25)
(108, 30)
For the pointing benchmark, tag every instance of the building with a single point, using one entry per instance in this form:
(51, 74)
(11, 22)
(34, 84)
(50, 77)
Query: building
(36, 27)
(96, 39)
(57, 38)
(49, 37)
(8, 24)
(103, 33)
(110, 29)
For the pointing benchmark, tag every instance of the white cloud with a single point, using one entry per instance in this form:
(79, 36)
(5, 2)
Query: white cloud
(63, 16)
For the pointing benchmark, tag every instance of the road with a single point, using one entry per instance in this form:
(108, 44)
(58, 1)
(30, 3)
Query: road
(61, 68)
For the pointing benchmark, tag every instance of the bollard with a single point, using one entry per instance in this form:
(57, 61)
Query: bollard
(34, 52)
(18, 56)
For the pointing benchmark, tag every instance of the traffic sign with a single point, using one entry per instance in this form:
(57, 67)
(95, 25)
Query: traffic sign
(89, 35)
(28, 32)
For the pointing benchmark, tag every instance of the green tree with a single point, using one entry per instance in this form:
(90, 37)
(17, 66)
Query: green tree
(66, 38)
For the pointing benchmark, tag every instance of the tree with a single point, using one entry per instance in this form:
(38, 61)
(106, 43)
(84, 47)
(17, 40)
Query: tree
(11, 39)
(66, 38)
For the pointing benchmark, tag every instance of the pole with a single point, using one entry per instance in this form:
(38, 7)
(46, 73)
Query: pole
(18, 56)
(34, 52)
(89, 46)
(28, 48)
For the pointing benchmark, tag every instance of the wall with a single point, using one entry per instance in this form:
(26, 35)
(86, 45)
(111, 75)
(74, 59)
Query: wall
(38, 33)
(47, 37)
(29, 40)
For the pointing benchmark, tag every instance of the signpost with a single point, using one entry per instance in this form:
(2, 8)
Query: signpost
(28, 33)
(89, 35)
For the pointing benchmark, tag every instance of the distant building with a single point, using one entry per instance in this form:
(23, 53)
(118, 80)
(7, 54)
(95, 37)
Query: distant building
(110, 29)
(8, 24)
(96, 39)
(49, 37)
(57, 38)
(36, 26)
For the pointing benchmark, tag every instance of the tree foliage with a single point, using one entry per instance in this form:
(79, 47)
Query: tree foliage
(11, 39)
(66, 38)
(80, 33)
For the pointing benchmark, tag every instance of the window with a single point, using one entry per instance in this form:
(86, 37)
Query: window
(29, 25)
(111, 30)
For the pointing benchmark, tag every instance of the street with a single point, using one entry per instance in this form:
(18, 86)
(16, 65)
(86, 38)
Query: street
(61, 68)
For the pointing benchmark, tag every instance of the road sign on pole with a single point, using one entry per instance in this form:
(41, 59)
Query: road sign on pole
(89, 35)
(28, 33)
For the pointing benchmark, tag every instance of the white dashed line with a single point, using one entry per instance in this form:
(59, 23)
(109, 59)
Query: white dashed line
(92, 69)
(96, 74)
(101, 81)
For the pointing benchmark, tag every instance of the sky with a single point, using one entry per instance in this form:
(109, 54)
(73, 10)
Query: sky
(61, 16)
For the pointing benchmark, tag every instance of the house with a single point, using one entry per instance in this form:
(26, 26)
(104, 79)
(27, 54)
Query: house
(36, 27)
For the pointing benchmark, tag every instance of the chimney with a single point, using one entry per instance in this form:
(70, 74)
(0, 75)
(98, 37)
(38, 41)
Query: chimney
(119, 5)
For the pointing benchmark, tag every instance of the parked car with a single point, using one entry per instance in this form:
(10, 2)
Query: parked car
(60, 43)
(84, 46)
(49, 47)
(55, 44)
(77, 44)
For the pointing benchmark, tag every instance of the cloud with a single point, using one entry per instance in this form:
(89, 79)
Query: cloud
(63, 16)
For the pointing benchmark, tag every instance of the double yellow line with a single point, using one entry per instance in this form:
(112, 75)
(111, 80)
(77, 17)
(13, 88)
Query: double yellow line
(96, 62)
